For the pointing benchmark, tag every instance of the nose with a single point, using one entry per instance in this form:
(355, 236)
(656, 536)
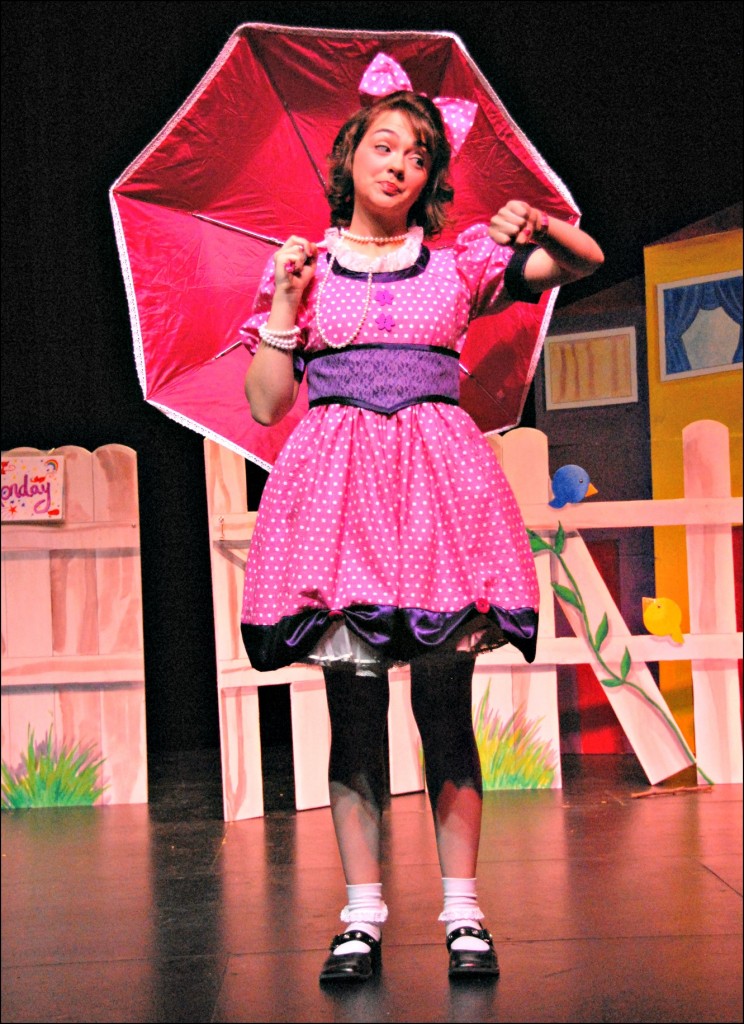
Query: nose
(396, 165)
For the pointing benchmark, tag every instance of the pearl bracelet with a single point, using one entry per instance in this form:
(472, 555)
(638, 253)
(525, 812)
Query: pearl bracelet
(285, 340)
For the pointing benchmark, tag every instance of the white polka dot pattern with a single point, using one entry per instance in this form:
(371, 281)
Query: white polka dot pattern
(410, 510)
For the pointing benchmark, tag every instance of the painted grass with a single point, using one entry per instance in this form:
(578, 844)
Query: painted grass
(51, 778)
(512, 755)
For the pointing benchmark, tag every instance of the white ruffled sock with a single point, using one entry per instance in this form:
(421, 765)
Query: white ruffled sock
(365, 912)
(461, 910)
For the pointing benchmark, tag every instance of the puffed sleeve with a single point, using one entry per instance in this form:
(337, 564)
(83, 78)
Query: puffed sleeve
(493, 273)
(261, 311)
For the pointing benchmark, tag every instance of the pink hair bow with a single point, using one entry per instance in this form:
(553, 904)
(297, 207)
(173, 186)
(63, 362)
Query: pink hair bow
(384, 75)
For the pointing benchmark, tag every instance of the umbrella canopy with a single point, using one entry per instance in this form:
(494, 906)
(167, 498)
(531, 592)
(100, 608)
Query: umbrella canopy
(241, 166)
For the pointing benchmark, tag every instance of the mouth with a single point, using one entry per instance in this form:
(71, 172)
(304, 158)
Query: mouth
(390, 188)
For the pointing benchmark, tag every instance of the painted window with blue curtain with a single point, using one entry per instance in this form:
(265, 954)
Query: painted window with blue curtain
(701, 325)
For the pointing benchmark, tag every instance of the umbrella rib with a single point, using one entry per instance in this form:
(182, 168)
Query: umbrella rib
(229, 348)
(475, 380)
(234, 227)
(290, 115)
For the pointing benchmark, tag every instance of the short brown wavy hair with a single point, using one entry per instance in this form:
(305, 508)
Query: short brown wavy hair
(429, 211)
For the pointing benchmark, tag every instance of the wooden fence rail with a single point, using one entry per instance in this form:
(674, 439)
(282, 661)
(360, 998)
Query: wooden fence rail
(707, 511)
(72, 642)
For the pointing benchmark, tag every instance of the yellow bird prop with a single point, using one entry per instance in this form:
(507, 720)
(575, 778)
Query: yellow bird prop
(663, 617)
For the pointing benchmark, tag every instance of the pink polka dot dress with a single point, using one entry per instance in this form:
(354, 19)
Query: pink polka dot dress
(387, 529)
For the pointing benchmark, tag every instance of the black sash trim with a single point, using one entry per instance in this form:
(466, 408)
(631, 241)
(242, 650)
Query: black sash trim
(359, 403)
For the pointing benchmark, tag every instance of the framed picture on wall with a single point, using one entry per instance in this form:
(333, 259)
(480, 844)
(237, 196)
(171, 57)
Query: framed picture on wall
(592, 368)
(700, 325)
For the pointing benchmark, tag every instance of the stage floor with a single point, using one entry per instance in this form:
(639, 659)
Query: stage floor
(604, 907)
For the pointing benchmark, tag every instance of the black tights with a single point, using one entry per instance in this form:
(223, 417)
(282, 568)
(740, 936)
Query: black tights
(358, 708)
(441, 700)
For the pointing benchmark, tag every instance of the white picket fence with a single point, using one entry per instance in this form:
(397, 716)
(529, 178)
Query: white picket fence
(713, 645)
(72, 638)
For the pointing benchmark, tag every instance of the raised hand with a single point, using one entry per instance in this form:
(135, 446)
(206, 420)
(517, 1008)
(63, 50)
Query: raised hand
(516, 223)
(294, 265)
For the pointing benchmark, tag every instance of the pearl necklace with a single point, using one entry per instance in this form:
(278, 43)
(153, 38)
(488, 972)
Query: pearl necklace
(357, 329)
(371, 239)
(354, 238)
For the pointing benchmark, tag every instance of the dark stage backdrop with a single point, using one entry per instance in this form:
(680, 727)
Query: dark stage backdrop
(635, 105)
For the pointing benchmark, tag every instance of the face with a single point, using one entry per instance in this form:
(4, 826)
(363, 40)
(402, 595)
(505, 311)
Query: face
(390, 167)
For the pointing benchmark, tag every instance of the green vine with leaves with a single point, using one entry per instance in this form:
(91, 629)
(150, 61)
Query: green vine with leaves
(572, 595)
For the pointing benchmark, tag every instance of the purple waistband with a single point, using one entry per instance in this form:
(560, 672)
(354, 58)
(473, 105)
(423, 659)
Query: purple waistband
(384, 378)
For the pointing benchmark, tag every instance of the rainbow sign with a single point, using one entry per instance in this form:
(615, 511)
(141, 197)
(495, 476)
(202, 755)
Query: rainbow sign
(33, 488)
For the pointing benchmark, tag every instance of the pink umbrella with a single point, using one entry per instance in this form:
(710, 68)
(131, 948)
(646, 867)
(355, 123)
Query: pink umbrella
(241, 165)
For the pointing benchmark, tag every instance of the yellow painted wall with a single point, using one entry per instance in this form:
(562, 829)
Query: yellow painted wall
(672, 405)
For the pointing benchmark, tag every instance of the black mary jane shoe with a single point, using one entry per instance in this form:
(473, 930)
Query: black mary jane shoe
(351, 966)
(471, 963)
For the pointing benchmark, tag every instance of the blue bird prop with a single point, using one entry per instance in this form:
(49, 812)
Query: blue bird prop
(571, 484)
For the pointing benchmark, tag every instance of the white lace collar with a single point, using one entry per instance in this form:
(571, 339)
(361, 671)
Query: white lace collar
(399, 259)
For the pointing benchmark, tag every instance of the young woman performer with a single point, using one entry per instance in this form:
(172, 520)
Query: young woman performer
(387, 532)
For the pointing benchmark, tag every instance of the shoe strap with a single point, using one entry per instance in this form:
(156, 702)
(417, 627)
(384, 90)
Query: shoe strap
(354, 936)
(474, 933)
